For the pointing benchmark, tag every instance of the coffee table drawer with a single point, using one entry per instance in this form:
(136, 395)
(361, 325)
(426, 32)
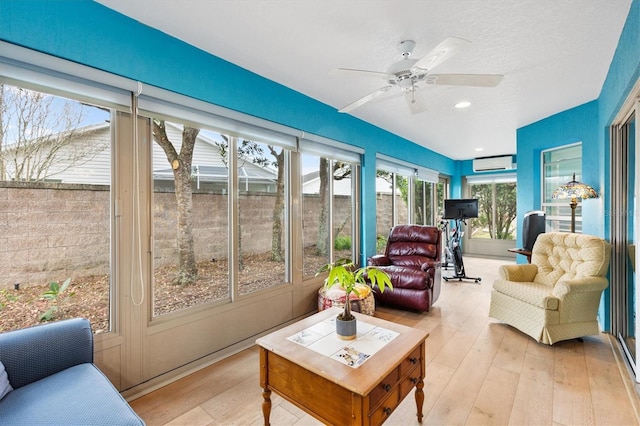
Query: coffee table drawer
(384, 388)
(409, 383)
(385, 409)
(410, 362)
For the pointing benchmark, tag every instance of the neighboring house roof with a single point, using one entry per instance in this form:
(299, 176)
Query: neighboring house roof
(207, 161)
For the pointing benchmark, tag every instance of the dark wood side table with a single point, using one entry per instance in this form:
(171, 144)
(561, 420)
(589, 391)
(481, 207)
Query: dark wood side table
(521, 251)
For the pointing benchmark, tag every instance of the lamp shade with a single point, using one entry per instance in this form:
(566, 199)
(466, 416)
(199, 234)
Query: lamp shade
(574, 190)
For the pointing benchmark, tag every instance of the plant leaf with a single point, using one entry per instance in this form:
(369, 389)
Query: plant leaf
(65, 284)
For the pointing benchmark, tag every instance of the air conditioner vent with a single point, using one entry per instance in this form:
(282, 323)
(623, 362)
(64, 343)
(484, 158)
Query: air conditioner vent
(487, 164)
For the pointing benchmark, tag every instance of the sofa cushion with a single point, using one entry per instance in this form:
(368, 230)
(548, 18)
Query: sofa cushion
(79, 395)
(5, 386)
(30, 354)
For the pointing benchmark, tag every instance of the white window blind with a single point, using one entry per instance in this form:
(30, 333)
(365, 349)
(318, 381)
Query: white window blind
(492, 178)
(161, 103)
(427, 175)
(329, 148)
(37, 71)
(403, 168)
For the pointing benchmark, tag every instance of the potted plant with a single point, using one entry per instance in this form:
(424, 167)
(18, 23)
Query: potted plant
(345, 274)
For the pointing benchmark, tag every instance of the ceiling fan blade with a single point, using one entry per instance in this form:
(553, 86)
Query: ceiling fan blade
(415, 101)
(480, 80)
(446, 49)
(363, 100)
(379, 74)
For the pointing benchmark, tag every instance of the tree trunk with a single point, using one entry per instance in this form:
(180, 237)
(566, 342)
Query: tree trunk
(277, 253)
(322, 245)
(181, 165)
(187, 270)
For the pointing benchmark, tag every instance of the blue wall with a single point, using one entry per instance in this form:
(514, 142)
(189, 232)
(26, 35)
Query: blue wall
(589, 124)
(88, 33)
(578, 124)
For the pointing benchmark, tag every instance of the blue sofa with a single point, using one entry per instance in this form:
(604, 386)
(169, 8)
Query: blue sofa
(54, 380)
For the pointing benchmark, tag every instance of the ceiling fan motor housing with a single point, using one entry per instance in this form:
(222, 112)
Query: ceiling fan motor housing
(406, 47)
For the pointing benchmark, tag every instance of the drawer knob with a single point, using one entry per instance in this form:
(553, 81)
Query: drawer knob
(414, 380)
(413, 360)
(387, 411)
(386, 387)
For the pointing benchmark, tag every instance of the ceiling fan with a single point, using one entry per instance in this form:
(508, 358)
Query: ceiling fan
(410, 75)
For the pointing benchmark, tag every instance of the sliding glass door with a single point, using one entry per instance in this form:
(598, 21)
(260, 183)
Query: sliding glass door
(625, 233)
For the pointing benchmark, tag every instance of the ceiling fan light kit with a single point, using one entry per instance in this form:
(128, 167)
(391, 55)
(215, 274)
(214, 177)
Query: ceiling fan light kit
(410, 75)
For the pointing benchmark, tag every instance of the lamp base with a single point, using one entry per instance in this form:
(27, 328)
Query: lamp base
(573, 204)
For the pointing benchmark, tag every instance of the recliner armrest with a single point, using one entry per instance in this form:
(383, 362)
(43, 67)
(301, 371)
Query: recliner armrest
(520, 273)
(431, 265)
(378, 260)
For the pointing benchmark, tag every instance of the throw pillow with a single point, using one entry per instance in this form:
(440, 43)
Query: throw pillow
(5, 386)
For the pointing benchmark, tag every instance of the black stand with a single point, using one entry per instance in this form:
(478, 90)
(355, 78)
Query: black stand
(447, 254)
(454, 247)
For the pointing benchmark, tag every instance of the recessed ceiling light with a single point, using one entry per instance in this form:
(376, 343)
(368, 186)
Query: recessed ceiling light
(463, 104)
(479, 149)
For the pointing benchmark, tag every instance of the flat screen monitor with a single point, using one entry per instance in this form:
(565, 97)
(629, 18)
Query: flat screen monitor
(460, 208)
(533, 225)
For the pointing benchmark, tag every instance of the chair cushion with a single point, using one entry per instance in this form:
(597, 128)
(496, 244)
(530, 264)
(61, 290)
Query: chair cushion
(533, 293)
(562, 256)
(411, 261)
(407, 277)
(412, 245)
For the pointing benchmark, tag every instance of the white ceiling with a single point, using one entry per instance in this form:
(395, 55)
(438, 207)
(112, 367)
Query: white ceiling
(554, 55)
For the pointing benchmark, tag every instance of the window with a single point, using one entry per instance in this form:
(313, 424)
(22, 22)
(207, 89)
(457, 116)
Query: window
(55, 180)
(405, 193)
(428, 204)
(262, 208)
(392, 198)
(329, 203)
(558, 167)
(343, 210)
(423, 204)
(192, 242)
(190, 216)
(496, 208)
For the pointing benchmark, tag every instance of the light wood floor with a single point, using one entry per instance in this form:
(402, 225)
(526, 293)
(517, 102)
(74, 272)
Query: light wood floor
(479, 371)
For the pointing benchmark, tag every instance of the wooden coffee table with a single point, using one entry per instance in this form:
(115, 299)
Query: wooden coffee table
(336, 393)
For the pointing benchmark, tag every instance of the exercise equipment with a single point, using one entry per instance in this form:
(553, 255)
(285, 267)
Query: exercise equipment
(458, 211)
(447, 254)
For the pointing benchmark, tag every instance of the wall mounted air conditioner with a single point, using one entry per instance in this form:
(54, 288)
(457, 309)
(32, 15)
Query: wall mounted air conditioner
(499, 162)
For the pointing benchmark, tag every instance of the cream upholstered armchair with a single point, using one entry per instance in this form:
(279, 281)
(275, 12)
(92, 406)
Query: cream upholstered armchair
(556, 297)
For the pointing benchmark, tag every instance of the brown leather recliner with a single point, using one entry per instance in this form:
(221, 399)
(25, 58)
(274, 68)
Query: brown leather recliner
(412, 260)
